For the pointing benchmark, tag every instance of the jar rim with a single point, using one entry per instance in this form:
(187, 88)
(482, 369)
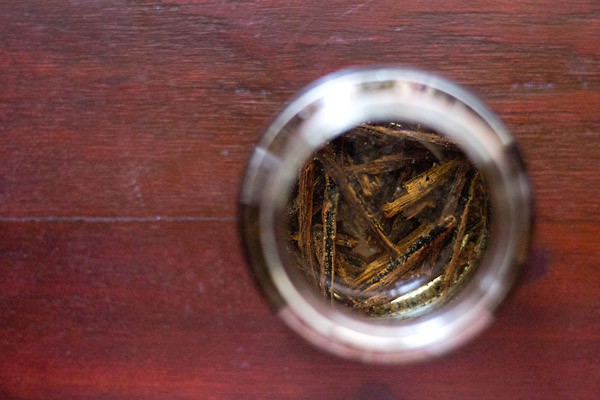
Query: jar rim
(328, 108)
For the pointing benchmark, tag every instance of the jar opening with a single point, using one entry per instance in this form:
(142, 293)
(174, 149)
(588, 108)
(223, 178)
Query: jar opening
(386, 214)
(388, 220)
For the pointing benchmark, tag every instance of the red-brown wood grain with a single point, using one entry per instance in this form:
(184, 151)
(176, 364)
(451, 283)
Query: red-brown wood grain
(125, 128)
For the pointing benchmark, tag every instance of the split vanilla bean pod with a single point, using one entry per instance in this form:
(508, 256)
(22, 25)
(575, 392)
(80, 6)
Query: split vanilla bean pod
(388, 219)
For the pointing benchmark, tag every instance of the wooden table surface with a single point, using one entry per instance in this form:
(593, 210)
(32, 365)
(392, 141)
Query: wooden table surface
(125, 128)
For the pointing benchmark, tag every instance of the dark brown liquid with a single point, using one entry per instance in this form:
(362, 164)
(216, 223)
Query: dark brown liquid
(387, 219)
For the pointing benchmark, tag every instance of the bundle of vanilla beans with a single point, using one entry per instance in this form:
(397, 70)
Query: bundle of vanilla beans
(383, 208)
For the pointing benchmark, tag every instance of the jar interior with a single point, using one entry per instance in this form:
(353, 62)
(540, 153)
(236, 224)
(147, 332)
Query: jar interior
(388, 220)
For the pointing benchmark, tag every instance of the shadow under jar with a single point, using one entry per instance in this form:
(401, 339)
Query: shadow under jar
(386, 214)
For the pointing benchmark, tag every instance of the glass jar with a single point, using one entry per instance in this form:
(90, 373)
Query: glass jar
(386, 214)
